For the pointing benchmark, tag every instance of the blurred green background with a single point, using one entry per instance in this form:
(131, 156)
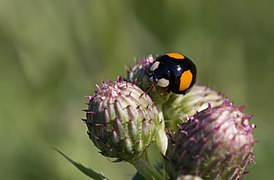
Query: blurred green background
(52, 52)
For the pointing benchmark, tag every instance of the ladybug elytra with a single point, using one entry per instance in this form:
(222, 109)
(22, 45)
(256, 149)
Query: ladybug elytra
(174, 72)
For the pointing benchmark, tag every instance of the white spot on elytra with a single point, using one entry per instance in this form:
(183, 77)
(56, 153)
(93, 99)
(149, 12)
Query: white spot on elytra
(154, 66)
(163, 82)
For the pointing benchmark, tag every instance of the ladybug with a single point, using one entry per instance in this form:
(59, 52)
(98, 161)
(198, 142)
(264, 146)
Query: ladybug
(174, 72)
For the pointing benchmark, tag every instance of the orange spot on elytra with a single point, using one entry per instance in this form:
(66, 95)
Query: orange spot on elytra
(185, 80)
(175, 55)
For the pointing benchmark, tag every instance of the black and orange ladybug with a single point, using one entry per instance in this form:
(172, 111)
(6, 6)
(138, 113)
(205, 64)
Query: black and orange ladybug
(174, 72)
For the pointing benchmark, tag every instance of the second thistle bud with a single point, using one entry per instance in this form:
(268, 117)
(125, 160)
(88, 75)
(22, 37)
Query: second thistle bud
(122, 120)
(216, 143)
(178, 107)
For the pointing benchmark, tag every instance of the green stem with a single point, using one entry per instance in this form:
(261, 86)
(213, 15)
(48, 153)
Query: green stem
(161, 139)
(146, 169)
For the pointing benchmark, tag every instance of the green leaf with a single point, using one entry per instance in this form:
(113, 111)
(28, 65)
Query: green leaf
(87, 171)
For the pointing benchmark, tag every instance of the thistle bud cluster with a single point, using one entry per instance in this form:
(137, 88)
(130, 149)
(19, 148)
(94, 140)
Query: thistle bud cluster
(208, 137)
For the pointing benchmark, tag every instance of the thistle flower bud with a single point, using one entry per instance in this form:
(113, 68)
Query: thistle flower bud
(122, 120)
(179, 107)
(139, 75)
(216, 143)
